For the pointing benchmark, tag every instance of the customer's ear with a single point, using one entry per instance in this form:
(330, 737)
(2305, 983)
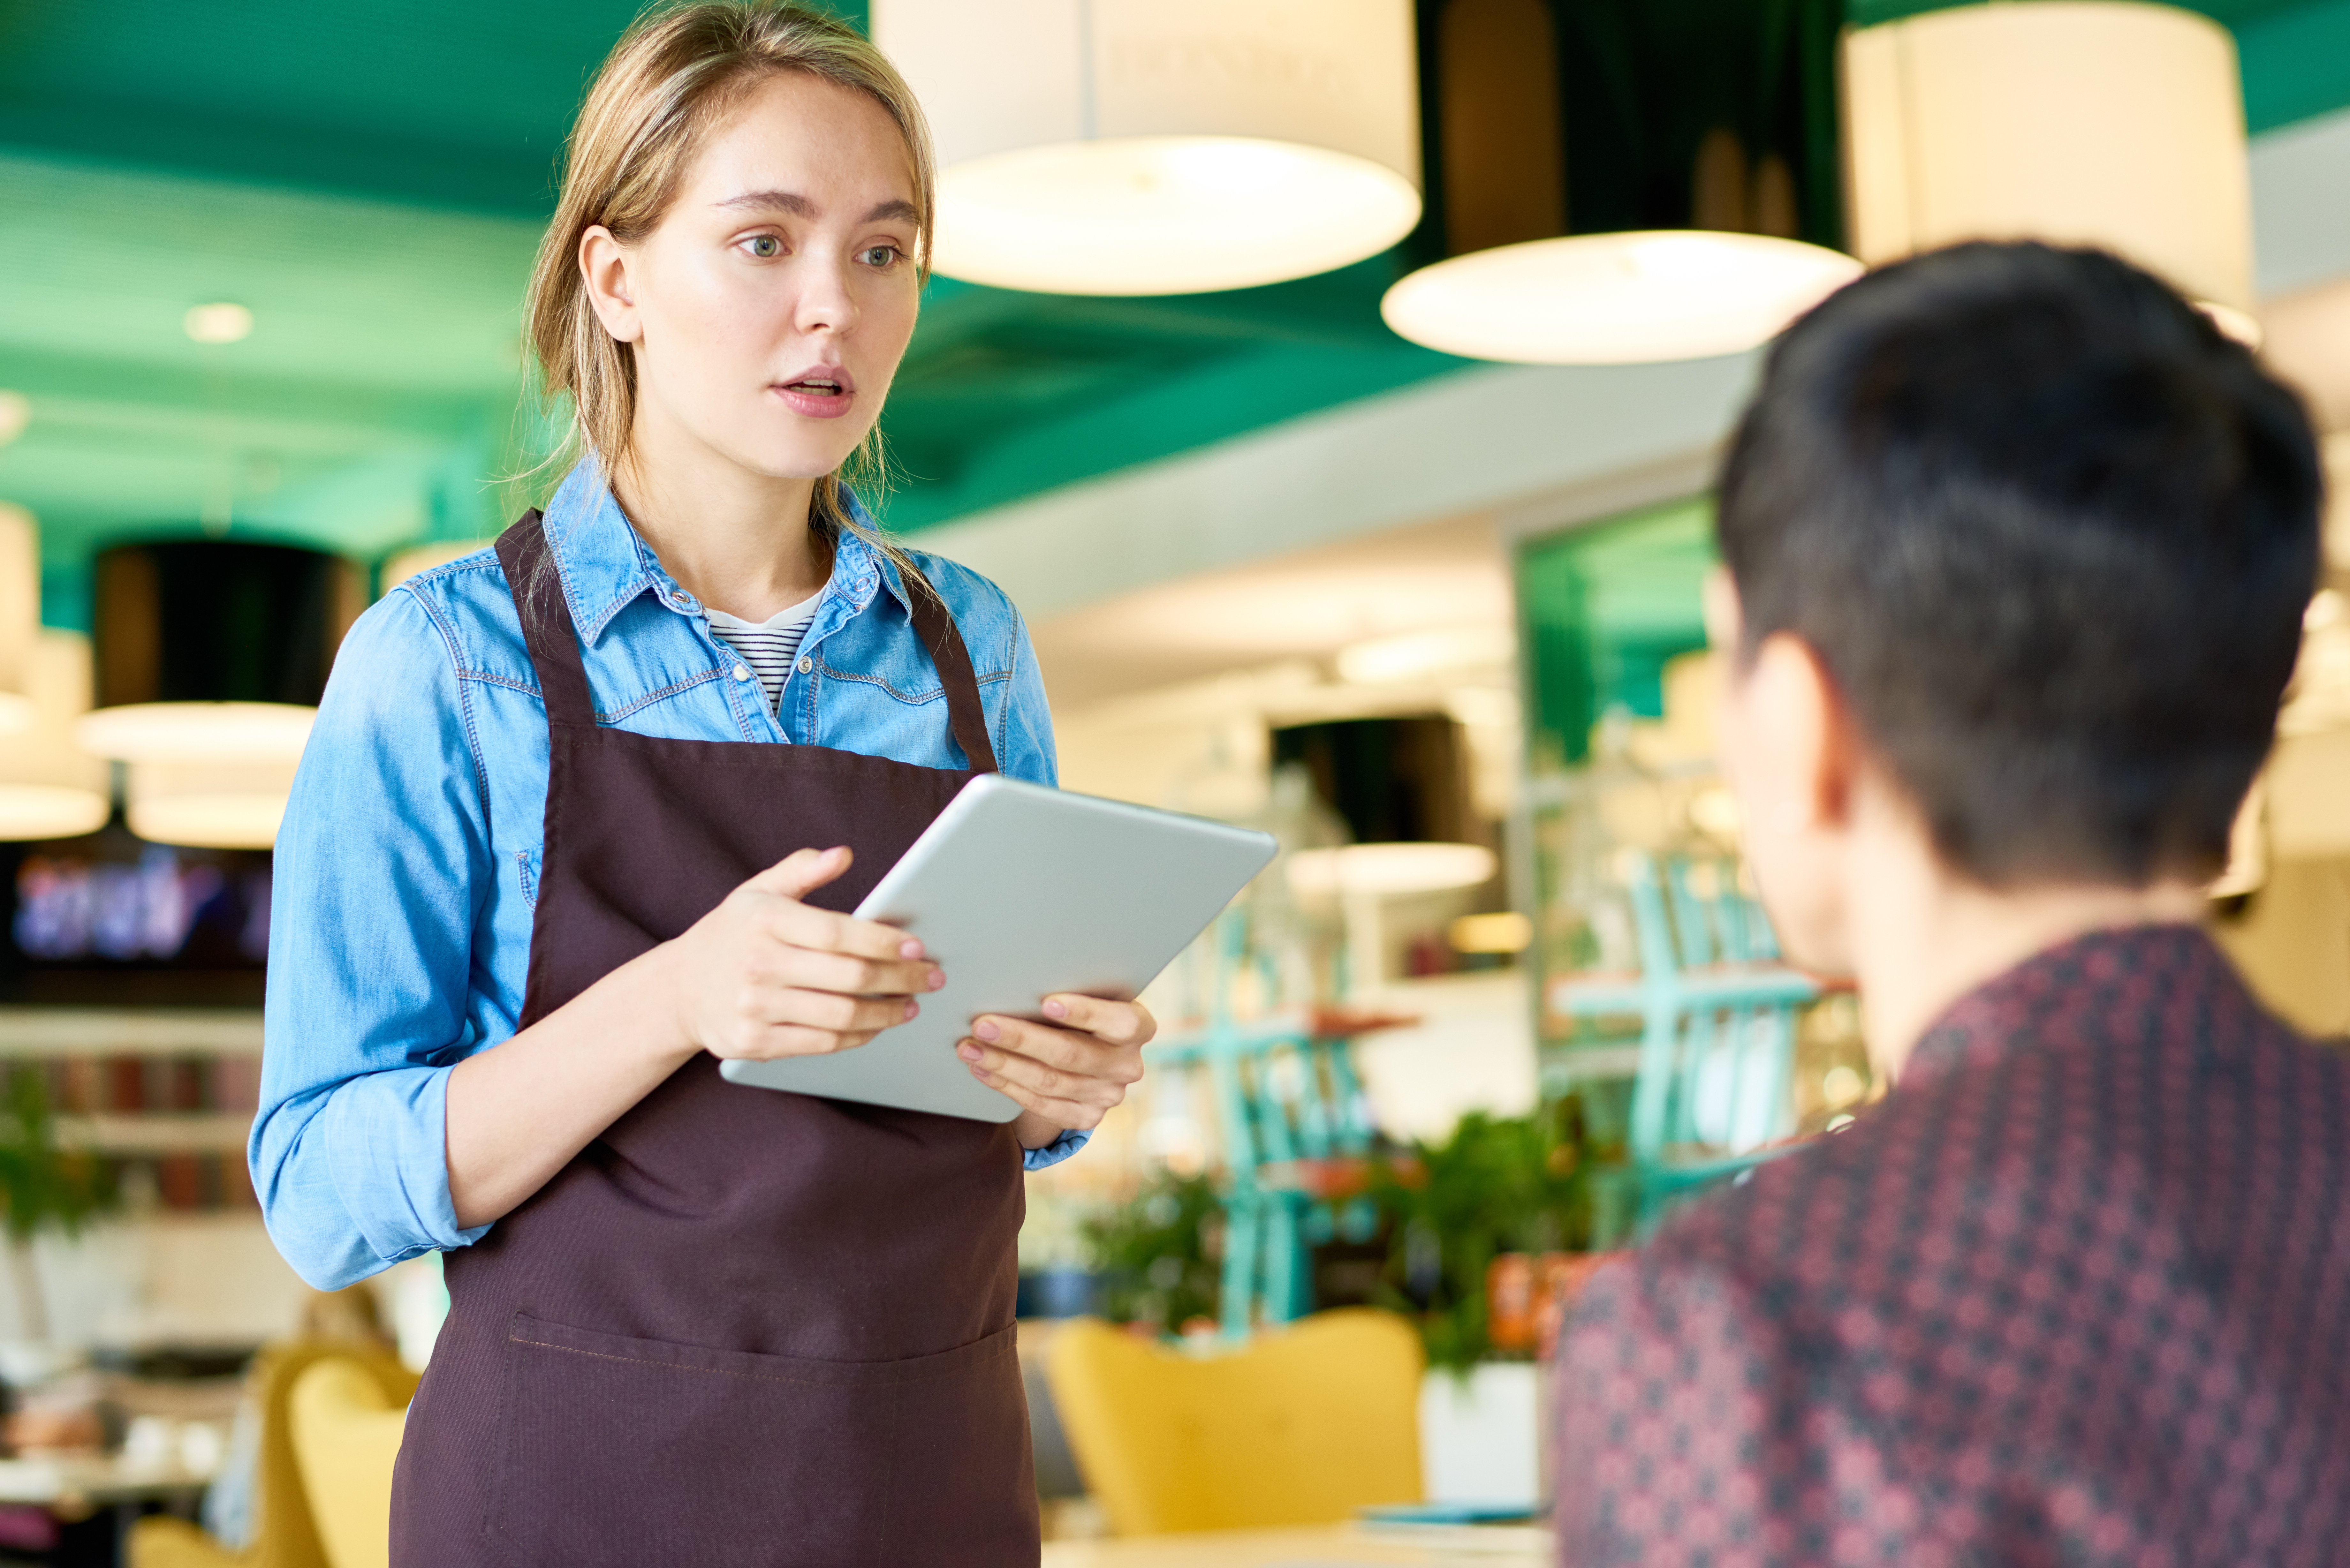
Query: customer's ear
(1797, 746)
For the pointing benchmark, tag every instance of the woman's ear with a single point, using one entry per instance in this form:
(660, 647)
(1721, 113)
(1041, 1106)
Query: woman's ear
(604, 267)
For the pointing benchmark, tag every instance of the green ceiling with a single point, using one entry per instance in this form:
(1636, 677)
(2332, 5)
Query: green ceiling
(369, 180)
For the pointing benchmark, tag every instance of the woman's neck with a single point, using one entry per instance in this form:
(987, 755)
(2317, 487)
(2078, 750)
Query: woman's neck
(738, 541)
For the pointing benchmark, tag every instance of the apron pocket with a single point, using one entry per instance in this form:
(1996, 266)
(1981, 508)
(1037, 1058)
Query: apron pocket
(635, 1451)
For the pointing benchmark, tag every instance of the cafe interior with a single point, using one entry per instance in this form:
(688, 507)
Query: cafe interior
(1335, 387)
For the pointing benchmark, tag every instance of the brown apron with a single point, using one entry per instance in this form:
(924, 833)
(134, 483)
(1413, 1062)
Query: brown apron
(741, 1327)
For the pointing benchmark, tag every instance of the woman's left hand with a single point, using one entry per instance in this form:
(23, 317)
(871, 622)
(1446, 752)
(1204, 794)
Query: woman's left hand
(1066, 1073)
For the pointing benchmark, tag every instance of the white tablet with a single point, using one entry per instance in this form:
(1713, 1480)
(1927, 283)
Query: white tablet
(1019, 891)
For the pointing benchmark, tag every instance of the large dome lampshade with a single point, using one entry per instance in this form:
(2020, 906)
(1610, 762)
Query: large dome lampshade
(49, 788)
(2081, 123)
(1135, 147)
(211, 655)
(1697, 214)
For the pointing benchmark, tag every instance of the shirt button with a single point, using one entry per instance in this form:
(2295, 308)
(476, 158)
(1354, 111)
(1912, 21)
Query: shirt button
(806, 664)
(741, 673)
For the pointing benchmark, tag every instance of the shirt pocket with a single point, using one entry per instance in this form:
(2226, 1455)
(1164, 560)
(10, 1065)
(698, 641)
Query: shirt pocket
(527, 873)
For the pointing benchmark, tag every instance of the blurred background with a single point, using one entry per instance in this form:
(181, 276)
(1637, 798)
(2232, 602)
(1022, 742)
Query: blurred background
(1349, 461)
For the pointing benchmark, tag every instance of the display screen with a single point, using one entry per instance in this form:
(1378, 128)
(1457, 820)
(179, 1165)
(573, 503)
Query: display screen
(109, 921)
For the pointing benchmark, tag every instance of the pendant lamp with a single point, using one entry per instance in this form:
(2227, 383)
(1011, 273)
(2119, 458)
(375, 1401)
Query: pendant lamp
(49, 788)
(20, 615)
(2083, 122)
(1135, 147)
(1675, 184)
(211, 655)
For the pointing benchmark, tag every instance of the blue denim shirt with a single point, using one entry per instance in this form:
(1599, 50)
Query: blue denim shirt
(406, 869)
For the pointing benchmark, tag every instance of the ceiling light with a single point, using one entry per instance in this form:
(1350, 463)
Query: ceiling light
(1615, 299)
(213, 651)
(196, 731)
(1505, 932)
(220, 322)
(208, 806)
(1417, 653)
(16, 412)
(49, 788)
(20, 615)
(1388, 869)
(2109, 123)
(49, 811)
(1131, 147)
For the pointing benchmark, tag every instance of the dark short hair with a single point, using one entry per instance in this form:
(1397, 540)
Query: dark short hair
(2051, 535)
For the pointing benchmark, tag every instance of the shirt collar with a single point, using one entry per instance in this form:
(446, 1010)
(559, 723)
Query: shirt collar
(604, 566)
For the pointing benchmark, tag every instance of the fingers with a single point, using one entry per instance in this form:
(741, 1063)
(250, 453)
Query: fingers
(822, 931)
(828, 1011)
(802, 872)
(814, 971)
(1051, 1063)
(1119, 1022)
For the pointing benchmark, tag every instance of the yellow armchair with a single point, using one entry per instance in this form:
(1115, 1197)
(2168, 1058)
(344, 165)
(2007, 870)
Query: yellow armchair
(346, 1419)
(1303, 1425)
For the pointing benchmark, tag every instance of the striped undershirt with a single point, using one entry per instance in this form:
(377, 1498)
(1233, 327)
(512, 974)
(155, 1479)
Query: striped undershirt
(766, 647)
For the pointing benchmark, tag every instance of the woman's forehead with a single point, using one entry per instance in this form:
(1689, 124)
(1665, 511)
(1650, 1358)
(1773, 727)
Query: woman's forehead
(833, 149)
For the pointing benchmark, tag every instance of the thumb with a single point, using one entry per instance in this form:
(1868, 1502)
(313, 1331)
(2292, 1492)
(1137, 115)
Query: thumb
(802, 872)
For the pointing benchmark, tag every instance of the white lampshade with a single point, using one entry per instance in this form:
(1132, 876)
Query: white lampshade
(1130, 147)
(208, 805)
(20, 615)
(1616, 298)
(2081, 123)
(264, 732)
(49, 788)
(1390, 869)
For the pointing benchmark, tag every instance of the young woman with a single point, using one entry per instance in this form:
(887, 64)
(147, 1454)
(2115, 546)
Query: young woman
(578, 818)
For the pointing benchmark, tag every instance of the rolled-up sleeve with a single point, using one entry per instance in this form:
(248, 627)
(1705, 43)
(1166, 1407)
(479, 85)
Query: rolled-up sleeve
(381, 867)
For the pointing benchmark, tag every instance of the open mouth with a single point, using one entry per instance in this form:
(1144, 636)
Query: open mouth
(815, 387)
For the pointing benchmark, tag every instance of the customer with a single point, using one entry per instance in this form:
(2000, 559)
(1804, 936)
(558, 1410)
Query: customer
(2017, 547)
(577, 820)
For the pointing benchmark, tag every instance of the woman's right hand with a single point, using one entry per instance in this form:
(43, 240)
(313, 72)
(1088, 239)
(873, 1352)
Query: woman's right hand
(766, 975)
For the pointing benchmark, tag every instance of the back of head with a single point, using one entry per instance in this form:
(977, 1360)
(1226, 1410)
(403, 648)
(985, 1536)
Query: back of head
(2051, 535)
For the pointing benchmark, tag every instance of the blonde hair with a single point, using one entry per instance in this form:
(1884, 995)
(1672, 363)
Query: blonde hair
(673, 79)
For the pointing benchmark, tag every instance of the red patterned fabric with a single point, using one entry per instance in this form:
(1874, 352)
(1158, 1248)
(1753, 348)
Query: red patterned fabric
(2077, 1293)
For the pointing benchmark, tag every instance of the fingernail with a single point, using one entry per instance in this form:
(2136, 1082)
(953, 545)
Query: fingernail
(912, 1007)
(1057, 1009)
(909, 949)
(967, 1051)
(985, 1029)
(937, 978)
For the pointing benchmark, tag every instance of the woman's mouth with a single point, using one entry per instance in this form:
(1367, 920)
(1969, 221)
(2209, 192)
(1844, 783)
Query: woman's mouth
(816, 396)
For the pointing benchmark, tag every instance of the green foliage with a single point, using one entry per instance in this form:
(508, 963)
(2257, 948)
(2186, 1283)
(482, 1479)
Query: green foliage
(1499, 1184)
(1161, 1251)
(42, 1185)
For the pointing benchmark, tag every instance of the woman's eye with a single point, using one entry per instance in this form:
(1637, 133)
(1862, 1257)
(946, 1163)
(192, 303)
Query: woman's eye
(878, 256)
(767, 247)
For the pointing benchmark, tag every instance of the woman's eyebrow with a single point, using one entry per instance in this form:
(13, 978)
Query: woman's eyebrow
(799, 206)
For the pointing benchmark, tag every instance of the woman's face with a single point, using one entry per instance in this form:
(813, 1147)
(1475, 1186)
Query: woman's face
(769, 310)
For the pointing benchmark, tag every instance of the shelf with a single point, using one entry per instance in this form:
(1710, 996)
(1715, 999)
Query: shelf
(158, 1132)
(102, 1031)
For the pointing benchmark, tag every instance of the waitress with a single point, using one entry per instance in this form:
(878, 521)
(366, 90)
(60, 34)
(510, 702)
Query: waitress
(580, 818)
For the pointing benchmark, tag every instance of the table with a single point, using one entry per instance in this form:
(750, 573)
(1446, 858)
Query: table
(1319, 1546)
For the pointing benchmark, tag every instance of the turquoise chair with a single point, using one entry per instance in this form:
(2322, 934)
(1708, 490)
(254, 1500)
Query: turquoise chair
(1717, 1007)
(1294, 1123)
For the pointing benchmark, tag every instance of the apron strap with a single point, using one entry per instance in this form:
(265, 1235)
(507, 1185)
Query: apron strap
(934, 624)
(547, 628)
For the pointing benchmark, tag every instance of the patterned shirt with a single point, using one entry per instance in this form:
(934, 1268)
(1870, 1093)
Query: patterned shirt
(2078, 1292)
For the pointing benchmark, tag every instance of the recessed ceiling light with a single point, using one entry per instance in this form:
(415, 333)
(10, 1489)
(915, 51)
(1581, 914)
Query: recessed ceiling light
(219, 322)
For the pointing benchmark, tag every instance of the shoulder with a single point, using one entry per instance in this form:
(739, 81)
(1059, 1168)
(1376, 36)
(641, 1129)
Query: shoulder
(984, 613)
(464, 609)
